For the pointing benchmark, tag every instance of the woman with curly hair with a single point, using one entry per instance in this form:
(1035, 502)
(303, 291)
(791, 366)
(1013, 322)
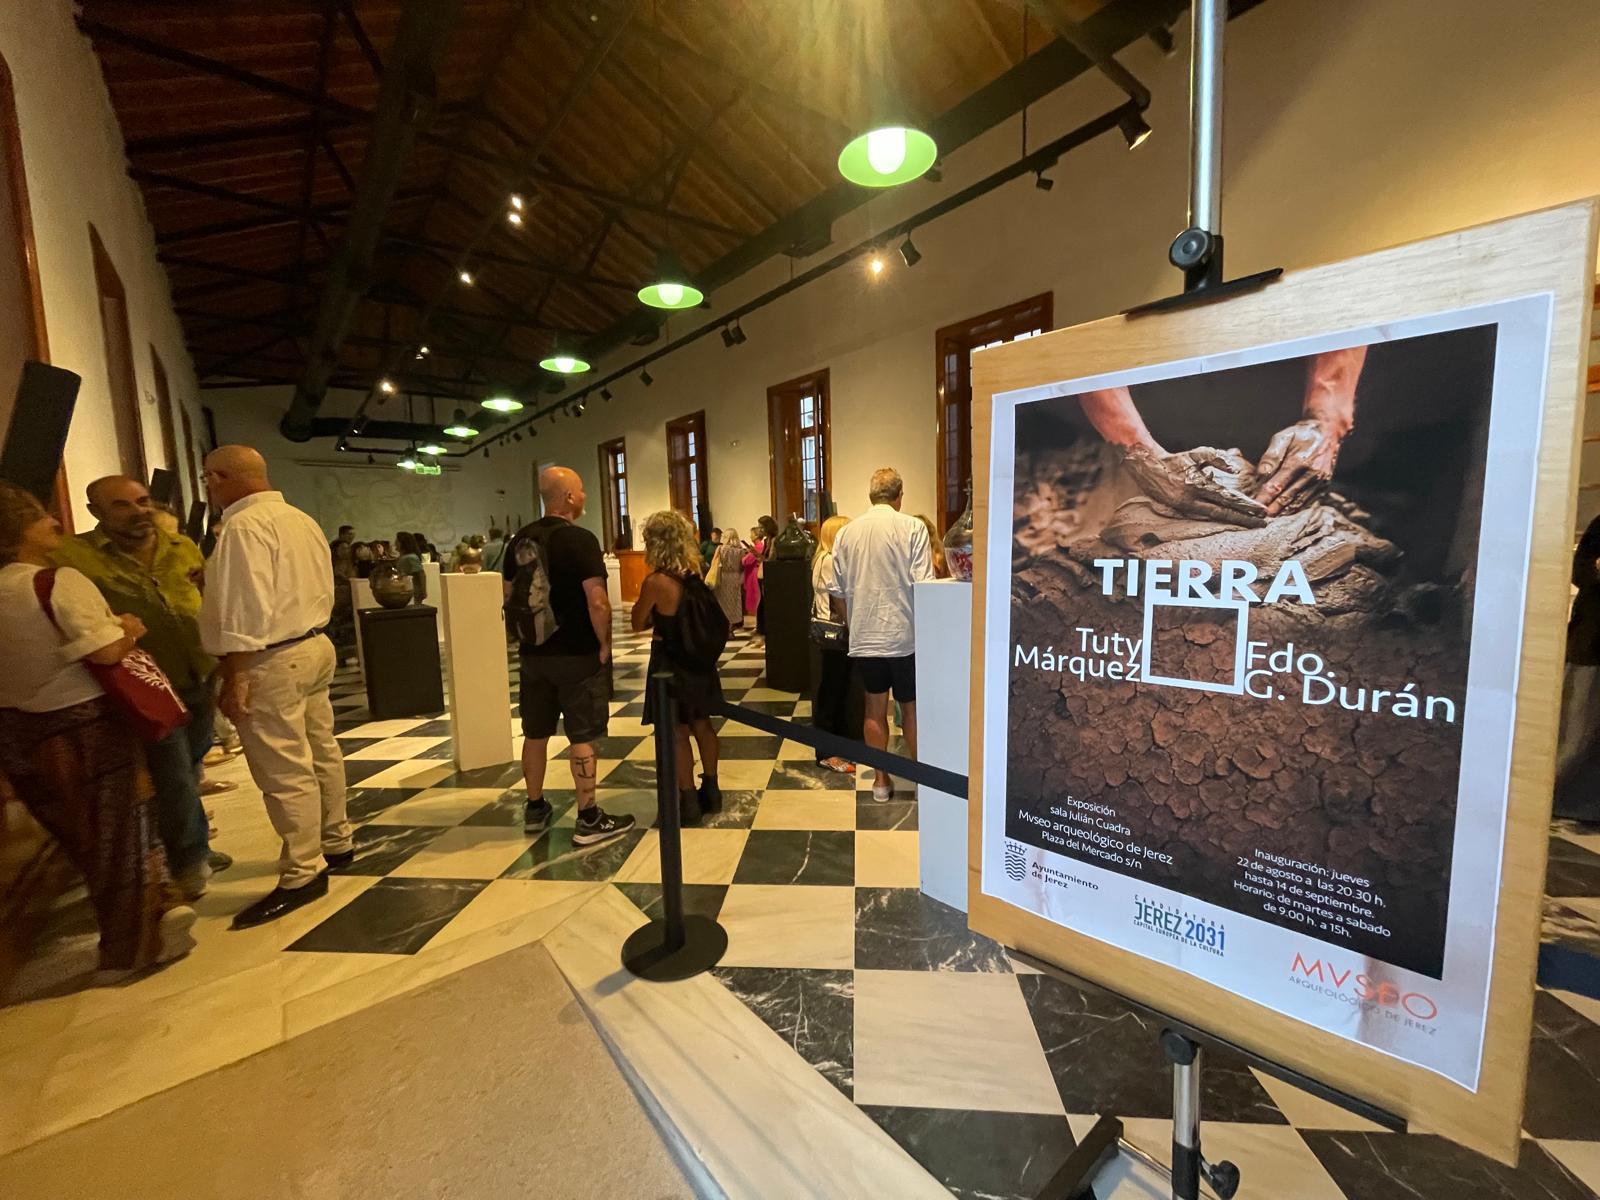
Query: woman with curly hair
(69, 755)
(672, 552)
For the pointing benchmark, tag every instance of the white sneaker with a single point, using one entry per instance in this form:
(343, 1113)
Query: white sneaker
(176, 940)
(883, 792)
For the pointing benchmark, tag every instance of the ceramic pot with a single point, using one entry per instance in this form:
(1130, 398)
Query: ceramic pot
(469, 560)
(795, 541)
(390, 588)
(958, 544)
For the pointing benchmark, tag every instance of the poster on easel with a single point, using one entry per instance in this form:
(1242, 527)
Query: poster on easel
(1270, 616)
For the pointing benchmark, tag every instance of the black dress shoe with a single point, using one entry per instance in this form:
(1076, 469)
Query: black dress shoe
(340, 858)
(280, 902)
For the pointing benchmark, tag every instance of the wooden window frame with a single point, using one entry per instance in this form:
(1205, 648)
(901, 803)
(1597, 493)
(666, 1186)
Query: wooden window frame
(610, 515)
(678, 474)
(820, 382)
(109, 286)
(1010, 316)
(22, 216)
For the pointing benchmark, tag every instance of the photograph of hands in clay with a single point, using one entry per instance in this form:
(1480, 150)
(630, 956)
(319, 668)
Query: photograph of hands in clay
(1241, 607)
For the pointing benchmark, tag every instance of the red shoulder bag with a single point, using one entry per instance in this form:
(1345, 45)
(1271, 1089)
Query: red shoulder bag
(137, 688)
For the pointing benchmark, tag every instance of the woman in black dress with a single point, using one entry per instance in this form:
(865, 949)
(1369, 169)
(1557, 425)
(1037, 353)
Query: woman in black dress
(672, 552)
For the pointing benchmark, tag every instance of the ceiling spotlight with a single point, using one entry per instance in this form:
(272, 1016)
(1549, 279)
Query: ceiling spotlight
(1042, 181)
(502, 404)
(579, 408)
(605, 394)
(466, 277)
(386, 387)
(517, 202)
(408, 461)
(458, 427)
(875, 265)
(1134, 129)
(514, 217)
(423, 352)
(516, 437)
(646, 378)
(371, 462)
(728, 338)
(486, 452)
(909, 254)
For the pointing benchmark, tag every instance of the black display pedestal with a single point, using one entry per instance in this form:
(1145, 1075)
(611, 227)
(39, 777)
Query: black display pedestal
(855, 704)
(400, 650)
(788, 597)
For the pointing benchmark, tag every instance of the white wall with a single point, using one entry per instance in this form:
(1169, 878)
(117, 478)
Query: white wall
(72, 152)
(1350, 126)
(379, 500)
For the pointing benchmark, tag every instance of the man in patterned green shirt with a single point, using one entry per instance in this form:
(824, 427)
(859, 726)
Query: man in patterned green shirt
(143, 570)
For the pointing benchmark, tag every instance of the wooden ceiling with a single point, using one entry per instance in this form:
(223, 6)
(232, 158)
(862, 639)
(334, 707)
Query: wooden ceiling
(628, 126)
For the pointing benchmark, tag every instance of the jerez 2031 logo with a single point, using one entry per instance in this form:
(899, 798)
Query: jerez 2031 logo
(1170, 921)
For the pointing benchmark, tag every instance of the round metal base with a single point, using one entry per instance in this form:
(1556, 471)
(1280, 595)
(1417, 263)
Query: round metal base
(645, 952)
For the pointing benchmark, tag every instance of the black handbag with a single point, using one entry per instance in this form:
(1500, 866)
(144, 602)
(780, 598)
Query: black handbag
(830, 635)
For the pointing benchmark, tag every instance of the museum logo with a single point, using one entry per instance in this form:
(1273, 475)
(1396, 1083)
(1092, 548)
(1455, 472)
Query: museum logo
(1170, 921)
(1346, 983)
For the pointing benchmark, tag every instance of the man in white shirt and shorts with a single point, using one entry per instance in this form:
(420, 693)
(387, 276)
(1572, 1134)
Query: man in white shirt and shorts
(876, 559)
(268, 596)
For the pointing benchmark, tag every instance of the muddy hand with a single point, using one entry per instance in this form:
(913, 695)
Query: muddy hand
(1186, 483)
(1297, 466)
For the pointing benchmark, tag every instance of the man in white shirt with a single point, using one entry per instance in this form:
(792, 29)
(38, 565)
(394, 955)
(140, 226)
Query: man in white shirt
(268, 596)
(876, 559)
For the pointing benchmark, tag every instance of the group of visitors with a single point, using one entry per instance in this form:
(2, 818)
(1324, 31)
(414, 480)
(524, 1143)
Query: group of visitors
(118, 646)
(239, 636)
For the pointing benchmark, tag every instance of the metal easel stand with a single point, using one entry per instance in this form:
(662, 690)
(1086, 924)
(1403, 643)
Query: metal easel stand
(1197, 251)
(675, 947)
(1189, 1166)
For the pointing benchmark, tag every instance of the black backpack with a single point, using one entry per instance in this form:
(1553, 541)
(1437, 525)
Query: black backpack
(532, 618)
(702, 628)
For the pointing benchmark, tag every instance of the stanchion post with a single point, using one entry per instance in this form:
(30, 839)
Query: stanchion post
(670, 819)
(677, 946)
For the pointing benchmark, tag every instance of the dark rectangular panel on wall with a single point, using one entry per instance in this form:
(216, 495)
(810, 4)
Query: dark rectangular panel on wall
(37, 436)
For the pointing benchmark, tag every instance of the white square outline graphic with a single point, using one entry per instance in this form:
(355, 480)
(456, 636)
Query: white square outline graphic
(1241, 649)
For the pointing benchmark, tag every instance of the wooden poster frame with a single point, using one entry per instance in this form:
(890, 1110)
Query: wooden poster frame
(1548, 251)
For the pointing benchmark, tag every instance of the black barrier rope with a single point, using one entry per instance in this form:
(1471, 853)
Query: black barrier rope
(857, 752)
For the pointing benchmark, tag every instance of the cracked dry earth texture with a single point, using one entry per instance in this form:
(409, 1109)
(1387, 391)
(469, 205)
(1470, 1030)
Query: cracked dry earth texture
(1210, 778)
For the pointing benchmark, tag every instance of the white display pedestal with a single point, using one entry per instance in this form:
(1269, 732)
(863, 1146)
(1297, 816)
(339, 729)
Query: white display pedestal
(944, 719)
(478, 683)
(360, 597)
(614, 581)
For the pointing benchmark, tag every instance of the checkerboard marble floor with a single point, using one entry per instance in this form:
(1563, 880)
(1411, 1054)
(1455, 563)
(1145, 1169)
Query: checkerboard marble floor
(983, 1071)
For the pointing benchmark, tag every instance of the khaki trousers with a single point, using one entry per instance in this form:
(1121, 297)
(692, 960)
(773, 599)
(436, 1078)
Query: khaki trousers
(294, 757)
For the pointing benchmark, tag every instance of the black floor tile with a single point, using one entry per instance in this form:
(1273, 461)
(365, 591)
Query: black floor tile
(1106, 1058)
(981, 1155)
(554, 856)
(738, 811)
(900, 929)
(814, 1011)
(382, 848)
(634, 773)
(362, 804)
(1573, 870)
(355, 772)
(811, 856)
(507, 810)
(501, 775)
(393, 916)
(895, 814)
(1563, 1073)
(699, 899)
(801, 775)
(747, 748)
(1426, 1167)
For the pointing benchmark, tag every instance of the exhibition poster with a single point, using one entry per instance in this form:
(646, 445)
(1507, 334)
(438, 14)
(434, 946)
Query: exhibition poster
(1255, 621)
